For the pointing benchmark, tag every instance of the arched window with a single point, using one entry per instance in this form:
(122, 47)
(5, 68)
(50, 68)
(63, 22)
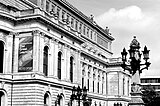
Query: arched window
(94, 77)
(59, 64)
(45, 61)
(60, 100)
(123, 86)
(1, 56)
(46, 99)
(2, 99)
(128, 87)
(98, 86)
(88, 83)
(82, 82)
(71, 69)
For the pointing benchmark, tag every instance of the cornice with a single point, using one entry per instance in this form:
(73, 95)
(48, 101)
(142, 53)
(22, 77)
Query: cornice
(7, 16)
(94, 57)
(43, 19)
(84, 17)
(115, 64)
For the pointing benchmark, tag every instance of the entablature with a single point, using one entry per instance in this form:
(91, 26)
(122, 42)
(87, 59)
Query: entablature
(63, 17)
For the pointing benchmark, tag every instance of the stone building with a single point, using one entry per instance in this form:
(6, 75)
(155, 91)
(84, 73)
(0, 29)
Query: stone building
(47, 47)
(152, 82)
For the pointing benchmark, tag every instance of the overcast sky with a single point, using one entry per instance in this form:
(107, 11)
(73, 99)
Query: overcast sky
(125, 19)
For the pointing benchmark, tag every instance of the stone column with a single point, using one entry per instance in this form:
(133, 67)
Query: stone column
(68, 63)
(52, 62)
(77, 68)
(16, 48)
(96, 80)
(9, 44)
(56, 58)
(64, 63)
(36, 58)
(41, 47)
(50, 56)
(91, 79)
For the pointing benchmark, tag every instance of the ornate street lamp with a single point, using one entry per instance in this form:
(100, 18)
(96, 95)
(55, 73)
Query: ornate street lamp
(135, 67)
(80, 94)
(134, 63)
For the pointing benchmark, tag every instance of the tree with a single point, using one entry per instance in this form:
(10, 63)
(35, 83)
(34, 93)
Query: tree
(149, 96)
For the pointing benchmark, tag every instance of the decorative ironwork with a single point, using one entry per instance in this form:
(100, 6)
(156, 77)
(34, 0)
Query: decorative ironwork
(80, 94)
(134, 63)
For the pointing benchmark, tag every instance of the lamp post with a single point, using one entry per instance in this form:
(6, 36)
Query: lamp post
(135, 67)
(80, 94)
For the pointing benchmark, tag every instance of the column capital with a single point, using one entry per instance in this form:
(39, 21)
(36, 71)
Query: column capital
(14, 33)
(36, 32)
(56, 41)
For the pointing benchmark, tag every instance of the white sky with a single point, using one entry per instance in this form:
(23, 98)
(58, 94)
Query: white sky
(127, 18)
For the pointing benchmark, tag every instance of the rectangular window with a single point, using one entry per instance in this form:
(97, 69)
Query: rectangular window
(63, 15)
(25, 56)
(91, 35)
(72, 22)
(47, 6)
(87, 32)
(80, 27)
(84, 30)
(68, 19)
(58, 12)
(76, 25)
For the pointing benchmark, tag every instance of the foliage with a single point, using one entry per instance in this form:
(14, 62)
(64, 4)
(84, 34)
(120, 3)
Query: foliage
(149, 95)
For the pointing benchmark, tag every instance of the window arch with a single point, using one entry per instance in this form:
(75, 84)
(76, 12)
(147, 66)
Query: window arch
(123, 86)
(3, 101)
(1, 56)
(71, 69)
(47, 99)
(60, 100)
(59, 64)
(45, 61)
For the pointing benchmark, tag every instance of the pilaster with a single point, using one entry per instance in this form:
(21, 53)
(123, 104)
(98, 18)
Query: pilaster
(52, 57)
(68, 63)
(91, 79)
(16, 48)
(64, 57)
(9, 58)
(56, 58)
(36, 45)
(41, 47)
(78, 67)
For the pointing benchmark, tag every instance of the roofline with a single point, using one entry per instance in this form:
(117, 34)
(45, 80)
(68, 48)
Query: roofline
(145, 77)
(84, 17)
